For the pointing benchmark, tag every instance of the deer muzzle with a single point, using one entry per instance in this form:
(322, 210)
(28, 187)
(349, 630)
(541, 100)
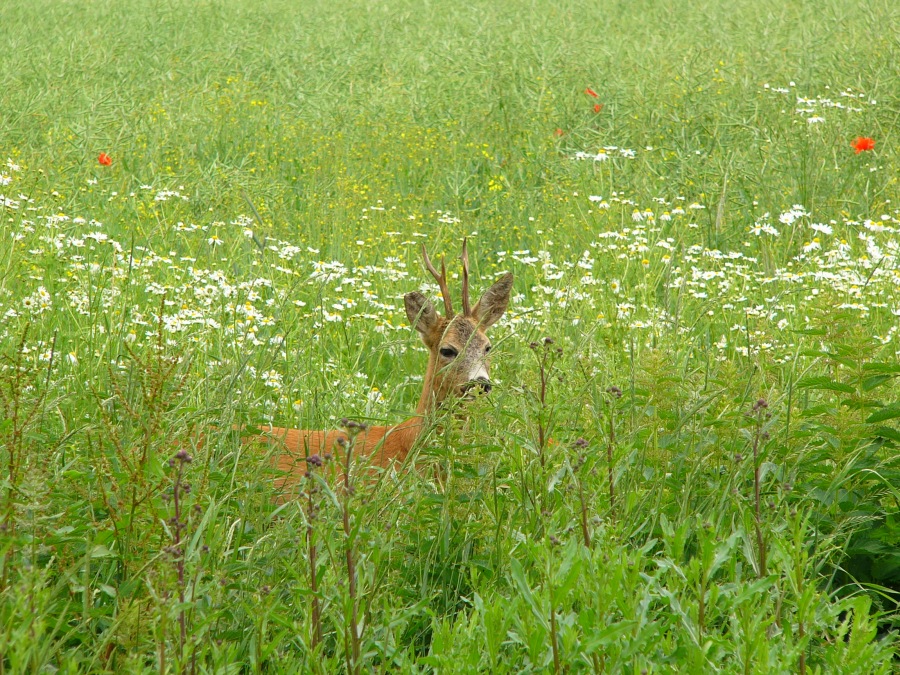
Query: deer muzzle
(478, 385)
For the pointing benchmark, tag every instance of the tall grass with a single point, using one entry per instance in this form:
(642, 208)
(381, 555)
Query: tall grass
(689, 460)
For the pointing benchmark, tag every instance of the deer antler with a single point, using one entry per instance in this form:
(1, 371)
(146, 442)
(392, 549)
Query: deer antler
(442, 281)
(465, 289)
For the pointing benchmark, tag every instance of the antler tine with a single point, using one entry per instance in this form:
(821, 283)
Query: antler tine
(465, 271)
(441, 279)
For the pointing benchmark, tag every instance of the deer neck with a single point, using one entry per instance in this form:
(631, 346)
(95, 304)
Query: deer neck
(427, 400)
(408, 431)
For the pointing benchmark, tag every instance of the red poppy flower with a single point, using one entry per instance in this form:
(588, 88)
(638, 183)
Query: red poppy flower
(598, 107)
(558, 132)
(591, 92)
(104, 159)
(863, 143)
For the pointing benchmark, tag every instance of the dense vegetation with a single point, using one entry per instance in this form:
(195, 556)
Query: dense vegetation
(209, 214)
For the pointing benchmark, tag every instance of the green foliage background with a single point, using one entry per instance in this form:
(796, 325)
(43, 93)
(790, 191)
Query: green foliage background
(275, 168)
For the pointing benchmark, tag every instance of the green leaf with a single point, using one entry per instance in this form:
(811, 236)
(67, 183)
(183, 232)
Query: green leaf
(754, 589)
(886, 368)
(824, 382)
(823, 409)
(870, 383)
(887, 413)
(153, 469)
(847, 361)
(518, 575)
(858, 404)
(567, 574)
(889, 433)
(607, 636)
(100, 551)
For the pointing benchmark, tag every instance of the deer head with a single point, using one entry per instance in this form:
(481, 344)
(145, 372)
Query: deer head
(458, 346)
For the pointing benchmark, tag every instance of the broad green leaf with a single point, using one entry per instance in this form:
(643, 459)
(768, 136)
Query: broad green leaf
(607, 635)
(824, 382)
(870, 383)
(108, 590)
(886, 368)
(751, 590)
(567, 574)
(518, 575)
(889, 433)
(887, 413)
(100, 551)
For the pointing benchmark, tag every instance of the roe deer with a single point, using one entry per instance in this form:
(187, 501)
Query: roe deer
(458, 360)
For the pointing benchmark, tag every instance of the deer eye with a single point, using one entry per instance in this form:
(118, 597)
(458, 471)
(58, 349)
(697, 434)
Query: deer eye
(448, 352)
(487, 349)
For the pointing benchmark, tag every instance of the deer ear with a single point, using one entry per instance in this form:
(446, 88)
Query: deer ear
(494, 302)
(420, 312)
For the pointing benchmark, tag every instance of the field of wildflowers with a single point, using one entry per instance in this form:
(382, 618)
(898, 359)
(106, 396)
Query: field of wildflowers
(209, 214)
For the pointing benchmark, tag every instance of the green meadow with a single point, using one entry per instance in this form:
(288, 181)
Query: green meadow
(689, 461)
